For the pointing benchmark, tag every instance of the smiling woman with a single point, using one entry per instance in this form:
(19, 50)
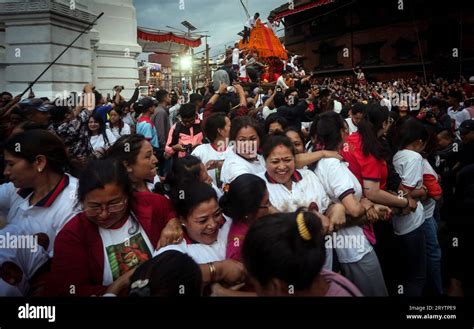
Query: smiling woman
(136, 154)
(205, 233)
(98, 250)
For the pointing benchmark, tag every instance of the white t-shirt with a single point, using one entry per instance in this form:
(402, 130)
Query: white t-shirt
(98, 142)
(387, 103)
(409, 165)
(250, 23)
(281, 82)
(116, 131)
(459, 116)
(23, 223)
(202, 253)
(27, 259)
(128, 119)
(151, 185)
(124, 251)
(338, 181)
(266, 111)
(352, 127)
(306, 189)
(429, 204)
(235, 165)
(235, 56)
(242, 71)
(337, 106)
(33, 219)
(206, 153)
(173, 117)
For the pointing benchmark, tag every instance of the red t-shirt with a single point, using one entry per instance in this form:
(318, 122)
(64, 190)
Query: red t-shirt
(364, 167)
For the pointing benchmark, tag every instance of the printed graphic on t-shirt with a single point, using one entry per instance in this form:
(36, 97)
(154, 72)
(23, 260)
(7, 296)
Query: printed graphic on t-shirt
(127, 255)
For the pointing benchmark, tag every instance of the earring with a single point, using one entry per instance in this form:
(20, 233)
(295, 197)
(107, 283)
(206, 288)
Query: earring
(40, 170)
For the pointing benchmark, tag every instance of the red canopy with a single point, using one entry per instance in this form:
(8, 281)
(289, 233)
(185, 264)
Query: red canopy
(164, 41)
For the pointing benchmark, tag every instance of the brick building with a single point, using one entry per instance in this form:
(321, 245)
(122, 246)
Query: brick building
(383, 37)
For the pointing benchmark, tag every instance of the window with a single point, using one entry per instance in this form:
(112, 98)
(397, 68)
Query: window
(327, 56)
(370, 53)
(404, 49)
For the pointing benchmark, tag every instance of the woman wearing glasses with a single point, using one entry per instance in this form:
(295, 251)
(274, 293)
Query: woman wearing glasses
(98, 250)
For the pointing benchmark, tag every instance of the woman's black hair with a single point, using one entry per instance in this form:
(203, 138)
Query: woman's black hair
(98, 97)
(101, 172)
(170, 274)
(187, 111)
(32, 143)
(244, 197)
(241, 122)
(58, 113)
(358, 108)
(408, 130)
(6, 93)
(279, 100)
(313, 128)
(328, 130)
(119, 110)
(274, 249)
(185, 170)
(373, 120)
(299, 132)
(275, 117)
(102, 130)
(186, 197)
(277, 140)
(431, 143)
(126, 149)
(215, 122)
(223, 104)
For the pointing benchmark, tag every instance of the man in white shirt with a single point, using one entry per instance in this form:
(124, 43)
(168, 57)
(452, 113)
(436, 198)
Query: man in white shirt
(249, 25)
(281, 81)
(235, 57)
(456, 111)
(273, 25)
(356, 114)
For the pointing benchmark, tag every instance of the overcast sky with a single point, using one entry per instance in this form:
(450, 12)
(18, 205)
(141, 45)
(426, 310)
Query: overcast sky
(222, 18)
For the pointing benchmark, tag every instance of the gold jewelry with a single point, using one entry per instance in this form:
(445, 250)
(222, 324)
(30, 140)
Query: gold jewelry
(212, 271)
(302, 228)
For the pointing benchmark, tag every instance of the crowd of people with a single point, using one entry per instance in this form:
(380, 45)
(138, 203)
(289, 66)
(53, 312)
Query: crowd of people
(314, 187)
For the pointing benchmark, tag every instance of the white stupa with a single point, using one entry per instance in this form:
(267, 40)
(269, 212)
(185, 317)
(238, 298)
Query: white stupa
(34, 32)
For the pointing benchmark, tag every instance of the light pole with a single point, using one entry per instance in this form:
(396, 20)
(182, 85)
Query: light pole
(190, 28)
